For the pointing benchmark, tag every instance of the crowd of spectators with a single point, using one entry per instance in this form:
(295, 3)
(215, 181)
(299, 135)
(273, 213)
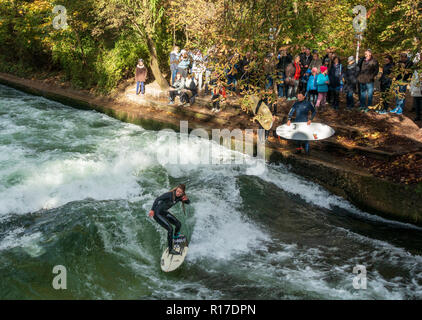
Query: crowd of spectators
(322, 81)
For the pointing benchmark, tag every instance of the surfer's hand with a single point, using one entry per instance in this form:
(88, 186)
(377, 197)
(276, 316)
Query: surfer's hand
(185, 198)
(289, 122)
(151, 213)
(309, 122)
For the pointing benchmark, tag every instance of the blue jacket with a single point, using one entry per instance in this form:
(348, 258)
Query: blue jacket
(322, 86)
(184, 64)
(312, 83)
(302, 109)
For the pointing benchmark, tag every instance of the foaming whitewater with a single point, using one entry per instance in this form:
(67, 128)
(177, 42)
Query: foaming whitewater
(76, 187)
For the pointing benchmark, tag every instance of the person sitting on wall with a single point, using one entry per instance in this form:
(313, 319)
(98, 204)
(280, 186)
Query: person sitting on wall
(190, 91)
(218, 95)
(176, 88)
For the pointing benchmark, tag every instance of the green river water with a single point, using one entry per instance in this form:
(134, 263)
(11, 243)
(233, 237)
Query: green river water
(76, 186)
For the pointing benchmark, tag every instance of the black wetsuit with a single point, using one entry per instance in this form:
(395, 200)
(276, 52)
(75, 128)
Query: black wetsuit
(164, 218)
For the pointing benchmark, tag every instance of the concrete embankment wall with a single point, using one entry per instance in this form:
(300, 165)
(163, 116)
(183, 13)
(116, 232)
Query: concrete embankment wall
(374, 195)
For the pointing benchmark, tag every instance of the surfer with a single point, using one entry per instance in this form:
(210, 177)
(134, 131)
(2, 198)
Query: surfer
(302, 109)
(159, 212)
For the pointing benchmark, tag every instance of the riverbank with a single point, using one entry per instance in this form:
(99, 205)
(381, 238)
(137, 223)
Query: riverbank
(331, 163)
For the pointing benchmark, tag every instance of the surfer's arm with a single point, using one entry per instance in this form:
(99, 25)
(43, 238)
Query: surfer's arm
(185, 199)
(292, 111)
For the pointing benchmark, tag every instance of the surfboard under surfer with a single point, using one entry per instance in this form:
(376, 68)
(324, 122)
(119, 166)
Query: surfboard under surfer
(159, 212)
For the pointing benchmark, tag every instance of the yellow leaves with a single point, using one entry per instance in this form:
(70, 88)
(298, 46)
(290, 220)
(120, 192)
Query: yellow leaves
(287, 40)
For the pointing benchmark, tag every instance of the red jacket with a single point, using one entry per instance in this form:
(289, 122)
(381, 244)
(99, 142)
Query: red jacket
(222, 91)
(297, 72)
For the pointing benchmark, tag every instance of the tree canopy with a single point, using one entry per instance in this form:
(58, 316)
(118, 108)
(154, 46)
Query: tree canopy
(104, 39)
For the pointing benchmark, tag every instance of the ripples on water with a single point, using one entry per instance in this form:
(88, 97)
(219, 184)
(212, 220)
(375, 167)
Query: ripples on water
(76, 186)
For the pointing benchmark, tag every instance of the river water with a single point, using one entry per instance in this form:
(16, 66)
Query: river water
(76, 186)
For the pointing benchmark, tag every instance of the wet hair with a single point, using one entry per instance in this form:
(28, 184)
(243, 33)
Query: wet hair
(180, 186)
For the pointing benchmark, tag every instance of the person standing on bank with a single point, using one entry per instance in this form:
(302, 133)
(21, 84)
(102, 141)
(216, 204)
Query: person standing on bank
(335, 75)
(312, 87)
(140, 76)
(302, 108)
(174, 61)
(350, 81)
(385, 83)
(159, 212)
(322, 86)
(368, 70)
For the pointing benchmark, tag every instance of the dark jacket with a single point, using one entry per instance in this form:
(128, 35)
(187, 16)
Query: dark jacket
(302, 109)
(368, 70)
(350, 78)
(385, 81)
(283, 62)
(166, 201)
(305, 61)
(336, 75)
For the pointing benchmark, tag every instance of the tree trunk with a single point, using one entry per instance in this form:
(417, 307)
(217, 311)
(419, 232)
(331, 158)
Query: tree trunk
(155, 68)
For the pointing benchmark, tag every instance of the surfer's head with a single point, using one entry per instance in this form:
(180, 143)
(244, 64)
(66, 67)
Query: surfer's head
(300, 96)
(180, 190)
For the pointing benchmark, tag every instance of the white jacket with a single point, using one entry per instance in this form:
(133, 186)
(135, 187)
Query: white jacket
(415, 85)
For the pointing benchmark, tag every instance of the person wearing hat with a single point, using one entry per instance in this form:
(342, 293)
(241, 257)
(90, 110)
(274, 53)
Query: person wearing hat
(350, 81)
(322, 83)
(140, 76)
(368, 70)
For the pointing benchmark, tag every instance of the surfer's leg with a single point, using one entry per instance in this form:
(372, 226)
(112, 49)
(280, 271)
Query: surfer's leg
(172, 219)
(166, 225)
